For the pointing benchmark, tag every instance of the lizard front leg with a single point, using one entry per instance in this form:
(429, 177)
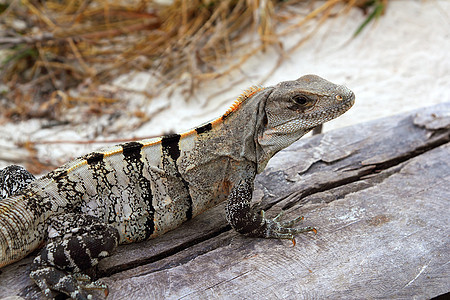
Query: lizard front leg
(241, 217)
(76, 243)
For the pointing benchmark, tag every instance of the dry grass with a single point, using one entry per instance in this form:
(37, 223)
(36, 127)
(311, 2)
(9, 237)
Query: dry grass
(50, 47)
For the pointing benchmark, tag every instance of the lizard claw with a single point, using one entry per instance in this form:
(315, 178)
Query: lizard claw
(97, 285)
(85, 282)
(285, 229)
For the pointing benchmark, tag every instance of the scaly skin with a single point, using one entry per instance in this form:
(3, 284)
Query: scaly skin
(139, 190)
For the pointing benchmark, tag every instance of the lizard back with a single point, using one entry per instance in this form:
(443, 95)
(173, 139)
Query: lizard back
(142, 188)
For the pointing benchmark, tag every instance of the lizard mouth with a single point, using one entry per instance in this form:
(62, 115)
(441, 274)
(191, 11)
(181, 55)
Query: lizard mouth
(333, 111)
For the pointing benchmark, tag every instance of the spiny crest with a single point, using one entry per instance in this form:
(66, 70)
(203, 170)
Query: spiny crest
(248, 93)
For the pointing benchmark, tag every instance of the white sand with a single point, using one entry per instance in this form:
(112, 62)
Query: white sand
(399, 63)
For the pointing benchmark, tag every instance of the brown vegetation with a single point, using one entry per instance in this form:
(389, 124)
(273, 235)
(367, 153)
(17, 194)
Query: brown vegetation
(51, 47)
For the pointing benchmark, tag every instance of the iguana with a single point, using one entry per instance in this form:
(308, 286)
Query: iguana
(135, 191)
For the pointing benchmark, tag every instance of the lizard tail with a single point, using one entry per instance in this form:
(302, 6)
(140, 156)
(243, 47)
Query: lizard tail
(17, 237)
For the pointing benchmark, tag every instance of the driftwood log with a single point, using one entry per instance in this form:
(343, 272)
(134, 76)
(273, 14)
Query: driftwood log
(378, 194)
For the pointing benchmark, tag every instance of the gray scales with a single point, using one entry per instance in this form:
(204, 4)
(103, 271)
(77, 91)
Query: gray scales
(139, 190)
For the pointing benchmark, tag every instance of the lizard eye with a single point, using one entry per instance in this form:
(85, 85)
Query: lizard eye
(302, 100)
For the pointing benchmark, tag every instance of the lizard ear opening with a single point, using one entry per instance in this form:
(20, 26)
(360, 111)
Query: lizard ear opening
(264, 120)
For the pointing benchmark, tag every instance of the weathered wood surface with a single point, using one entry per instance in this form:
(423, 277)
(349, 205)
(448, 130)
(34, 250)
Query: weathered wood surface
(378, 193)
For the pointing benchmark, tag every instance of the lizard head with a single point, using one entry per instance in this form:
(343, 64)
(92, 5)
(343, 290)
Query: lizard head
(293, 108)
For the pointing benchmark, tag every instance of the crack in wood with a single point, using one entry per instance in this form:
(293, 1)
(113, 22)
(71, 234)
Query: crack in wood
(217, 284)
(440, 138)
(165, 254)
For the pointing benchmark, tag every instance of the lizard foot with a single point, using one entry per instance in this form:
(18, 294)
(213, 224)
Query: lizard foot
(284, 229)
(76, 243)
(87, 284)
(50, 279)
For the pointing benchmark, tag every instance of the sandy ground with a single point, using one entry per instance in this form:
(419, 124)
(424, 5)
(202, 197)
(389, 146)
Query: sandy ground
(399, 63)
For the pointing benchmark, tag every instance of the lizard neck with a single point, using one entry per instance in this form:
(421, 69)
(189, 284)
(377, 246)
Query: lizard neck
(248, 134)
(243, 126)
(270, 142)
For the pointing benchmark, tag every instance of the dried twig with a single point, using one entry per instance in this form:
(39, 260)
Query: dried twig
(187, 42)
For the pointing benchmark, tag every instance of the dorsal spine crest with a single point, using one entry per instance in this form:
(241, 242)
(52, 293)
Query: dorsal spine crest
(248, 93)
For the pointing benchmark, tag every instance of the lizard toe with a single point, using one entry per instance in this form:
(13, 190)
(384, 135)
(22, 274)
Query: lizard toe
(285, 229)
